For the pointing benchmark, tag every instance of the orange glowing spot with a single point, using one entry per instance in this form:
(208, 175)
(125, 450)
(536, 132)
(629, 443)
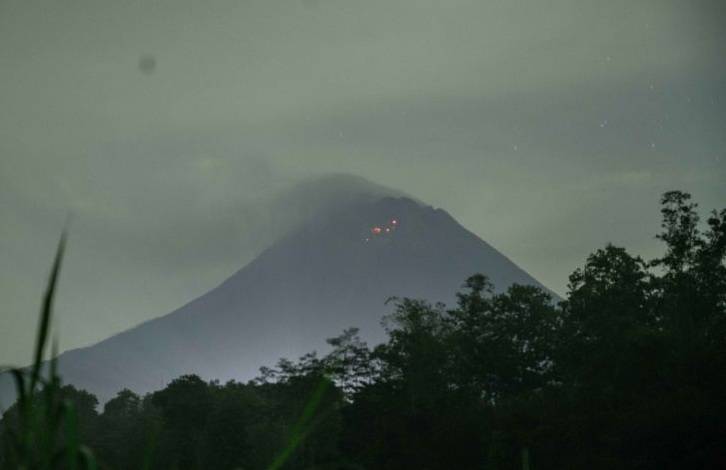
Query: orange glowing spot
(376, 230)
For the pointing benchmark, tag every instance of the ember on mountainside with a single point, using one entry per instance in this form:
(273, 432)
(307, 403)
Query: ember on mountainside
(379, 230)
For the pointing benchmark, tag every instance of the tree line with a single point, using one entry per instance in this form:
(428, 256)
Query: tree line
(629, 371)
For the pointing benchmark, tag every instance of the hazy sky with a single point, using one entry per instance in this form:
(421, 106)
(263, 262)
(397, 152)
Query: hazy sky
(547, 128)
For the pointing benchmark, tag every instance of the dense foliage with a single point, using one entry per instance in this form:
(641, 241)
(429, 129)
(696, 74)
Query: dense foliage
(628, 372)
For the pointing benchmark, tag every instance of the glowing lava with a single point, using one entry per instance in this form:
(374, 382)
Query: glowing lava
(378, 230)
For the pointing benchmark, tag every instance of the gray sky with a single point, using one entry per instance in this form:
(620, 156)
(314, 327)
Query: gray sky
(547, 128)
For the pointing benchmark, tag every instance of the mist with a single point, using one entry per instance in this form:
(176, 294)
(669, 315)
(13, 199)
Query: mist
(166, 130)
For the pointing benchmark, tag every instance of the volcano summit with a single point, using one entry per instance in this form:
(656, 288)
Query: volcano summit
(357, 246)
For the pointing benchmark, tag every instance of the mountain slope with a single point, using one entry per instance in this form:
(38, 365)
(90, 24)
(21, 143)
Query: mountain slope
(334, 271)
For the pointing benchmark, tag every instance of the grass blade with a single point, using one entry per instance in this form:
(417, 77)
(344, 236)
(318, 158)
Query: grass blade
(45, 313)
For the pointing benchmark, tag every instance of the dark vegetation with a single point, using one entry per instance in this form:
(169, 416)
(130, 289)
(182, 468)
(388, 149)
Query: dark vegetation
(628, 372)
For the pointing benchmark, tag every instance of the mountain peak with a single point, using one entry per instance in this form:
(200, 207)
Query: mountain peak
(332, 192)
(342, 183)
(356, 245)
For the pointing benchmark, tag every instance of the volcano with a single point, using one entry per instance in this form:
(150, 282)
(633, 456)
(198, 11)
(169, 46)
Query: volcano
(334, 270)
